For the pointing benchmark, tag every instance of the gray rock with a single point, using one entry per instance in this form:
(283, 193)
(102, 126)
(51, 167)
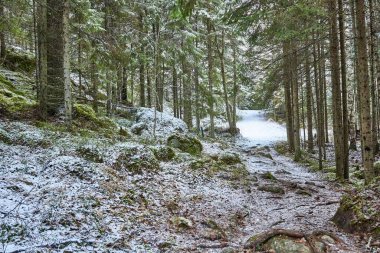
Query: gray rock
(284, 244)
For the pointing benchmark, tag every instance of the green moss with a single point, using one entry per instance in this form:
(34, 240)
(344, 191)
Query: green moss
(51, 126)
(19, 62)
(137, 160)
(11, 99)
(186, 144)
(282, 148)
(268, 176)
(5, 137)
(90, 153)
(182, 222)
(272, 189)
(85, 115)
(330, 169)
(229, 158)
(163, 153)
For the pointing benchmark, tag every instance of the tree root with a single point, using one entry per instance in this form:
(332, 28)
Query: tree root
(311, 239)
(214, 246)
(264, 237)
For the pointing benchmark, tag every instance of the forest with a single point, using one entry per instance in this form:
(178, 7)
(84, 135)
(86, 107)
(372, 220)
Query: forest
(190, 126)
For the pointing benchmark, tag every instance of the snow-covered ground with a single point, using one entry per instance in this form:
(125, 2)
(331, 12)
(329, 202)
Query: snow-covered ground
(254, 126)
(53, 199)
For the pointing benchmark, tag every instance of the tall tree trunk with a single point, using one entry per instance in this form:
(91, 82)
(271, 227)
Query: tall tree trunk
(109, 94)
(124, 87)
(133, 85)
(149, 86)
(142, 78)
(323, 97)
(336, 90)
(364, 92)
(234, 92)
(318, 87)
(2, 32)
(80, 66)
(196, 84)
(94, 78)
(56, 55)
(309, 96)
(344, 90)
(373, 48)
(175, 90)
(288, 94)
(142, 62)
(42, 56)
(221, 50)
(355, 70)
(158, 79)
(210, 79)
(295, 102)
(66, 63)
(36, 52)
(187, 111)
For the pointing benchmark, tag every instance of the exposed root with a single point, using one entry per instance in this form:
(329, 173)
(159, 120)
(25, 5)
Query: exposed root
(311, 239)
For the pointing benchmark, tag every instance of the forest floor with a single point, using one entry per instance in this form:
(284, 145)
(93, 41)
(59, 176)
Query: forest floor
(119, 189)
(52, 198)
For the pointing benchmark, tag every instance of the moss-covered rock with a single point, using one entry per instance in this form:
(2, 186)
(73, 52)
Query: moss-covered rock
(269, 176)
(18, 61)
(137, 159)
(236, 173)
(272, 189)
(229, 158)
(124, 132)
(85, 115)
(11, 99)
(182, 222)
(34, 139)
(186, 144)
(138, 128)
(5, 137)
(359, 212)
(264, 154)
(90, 153)
(284, 244)
(282, 148)
(163, 153)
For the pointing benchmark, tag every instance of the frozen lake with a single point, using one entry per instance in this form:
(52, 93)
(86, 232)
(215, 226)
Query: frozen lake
(254, 126)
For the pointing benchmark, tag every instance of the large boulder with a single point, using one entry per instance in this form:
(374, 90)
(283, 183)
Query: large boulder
(162, 124)
(85, 115)
(163, 153)
(5, 137)
(359, 211)
(186, 144)
(91, 153)
(282, 244)
(229, 158)
(290, 241)
(137, 159)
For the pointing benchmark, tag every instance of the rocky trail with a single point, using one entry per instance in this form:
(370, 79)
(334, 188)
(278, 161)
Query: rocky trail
(65, 193)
